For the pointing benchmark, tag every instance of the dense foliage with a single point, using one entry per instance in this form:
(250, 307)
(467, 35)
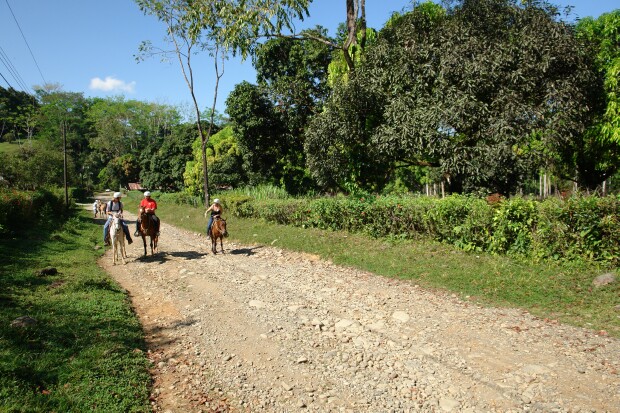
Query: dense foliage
(469, 97)
(23, 209)
(581, 227)
(477, 91)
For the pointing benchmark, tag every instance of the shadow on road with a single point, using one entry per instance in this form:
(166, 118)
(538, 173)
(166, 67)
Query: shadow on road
(188, 255)
(158, 257)
(245, 251)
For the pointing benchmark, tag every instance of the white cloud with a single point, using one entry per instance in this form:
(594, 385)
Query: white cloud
(112, 85)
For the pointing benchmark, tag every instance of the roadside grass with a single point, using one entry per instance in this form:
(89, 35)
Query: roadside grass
(86, 350)
(556, 291)
(9, 147)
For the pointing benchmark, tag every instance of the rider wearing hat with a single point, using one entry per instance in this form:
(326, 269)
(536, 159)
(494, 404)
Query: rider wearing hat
(115, 206)
(216, 211)
(149, 206)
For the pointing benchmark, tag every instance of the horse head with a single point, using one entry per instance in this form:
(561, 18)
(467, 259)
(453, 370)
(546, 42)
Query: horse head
(221, 226)
(116, 219)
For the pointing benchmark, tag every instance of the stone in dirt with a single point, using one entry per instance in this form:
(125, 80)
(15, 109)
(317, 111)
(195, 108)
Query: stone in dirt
(604, 279)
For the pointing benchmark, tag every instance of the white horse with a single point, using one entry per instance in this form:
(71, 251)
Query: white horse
(118, 238)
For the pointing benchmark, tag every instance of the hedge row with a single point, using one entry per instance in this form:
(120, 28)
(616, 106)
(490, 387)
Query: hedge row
(19, 209)
(580, 227)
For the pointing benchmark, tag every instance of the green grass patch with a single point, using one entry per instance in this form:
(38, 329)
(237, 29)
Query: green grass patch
(556, 290)
(86, 350)
(9, 147)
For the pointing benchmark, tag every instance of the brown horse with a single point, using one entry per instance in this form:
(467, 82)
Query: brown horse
(218, 230)
(147, 228)
(103, 208)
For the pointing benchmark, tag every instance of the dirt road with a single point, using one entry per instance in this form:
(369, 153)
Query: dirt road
(261, 329)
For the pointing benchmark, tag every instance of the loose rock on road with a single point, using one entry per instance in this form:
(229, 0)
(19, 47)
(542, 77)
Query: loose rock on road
(261, 329)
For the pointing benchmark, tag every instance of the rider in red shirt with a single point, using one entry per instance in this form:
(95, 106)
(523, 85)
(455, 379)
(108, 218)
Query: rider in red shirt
(150, 206)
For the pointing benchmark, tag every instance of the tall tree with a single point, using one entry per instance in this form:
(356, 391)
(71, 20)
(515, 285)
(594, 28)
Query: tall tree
(601, 153)
(219, 27)
(485, 91)
(17, 114)
(60, 114)
(163, 162)
(258, 128)
(293, 76)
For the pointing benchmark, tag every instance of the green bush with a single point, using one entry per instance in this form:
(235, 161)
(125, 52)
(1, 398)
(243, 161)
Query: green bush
(581, 227)
(513, 223)
(179, 198)
(19, 209)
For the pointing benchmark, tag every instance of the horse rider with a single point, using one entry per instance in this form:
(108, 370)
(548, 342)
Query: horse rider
(96, 207)
(149, 206)
(216, 211)
(115, 206)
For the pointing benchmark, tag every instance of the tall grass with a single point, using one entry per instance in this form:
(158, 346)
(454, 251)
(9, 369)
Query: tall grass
(260, 192)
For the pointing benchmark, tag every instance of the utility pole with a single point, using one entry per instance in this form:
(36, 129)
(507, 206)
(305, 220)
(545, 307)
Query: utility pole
(64, 152)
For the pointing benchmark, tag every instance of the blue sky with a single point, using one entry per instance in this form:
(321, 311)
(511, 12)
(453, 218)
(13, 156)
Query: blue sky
(89, 46)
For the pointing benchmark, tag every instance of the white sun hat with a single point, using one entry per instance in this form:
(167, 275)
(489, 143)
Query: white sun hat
(117, 195)
(147, 193)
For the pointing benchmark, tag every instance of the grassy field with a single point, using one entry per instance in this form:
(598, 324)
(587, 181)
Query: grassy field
(6, 147)
(561, 292)
(86, 350)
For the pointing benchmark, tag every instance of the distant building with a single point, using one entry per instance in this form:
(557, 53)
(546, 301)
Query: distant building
(135, 186)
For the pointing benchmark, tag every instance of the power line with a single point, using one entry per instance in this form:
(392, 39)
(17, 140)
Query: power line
(4, 58)
(25, 41)
(7, 82)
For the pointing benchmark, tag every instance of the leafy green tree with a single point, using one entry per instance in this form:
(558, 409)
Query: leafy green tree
(258, 128)
(225, 159)
(340, 155)
(17, 114)
(220, 27)
(478, 91)
(61, 118)
(600, 153)
(32, 167)
(292, 74)
(163, 164)
(127, 127)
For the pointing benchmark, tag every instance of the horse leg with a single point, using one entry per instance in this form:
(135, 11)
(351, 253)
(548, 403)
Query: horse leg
(144, 242)
(123, 252)
(114, 250)
(222, 244)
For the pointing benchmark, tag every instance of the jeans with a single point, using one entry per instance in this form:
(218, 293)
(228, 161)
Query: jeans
(209, 226)
(106, 229)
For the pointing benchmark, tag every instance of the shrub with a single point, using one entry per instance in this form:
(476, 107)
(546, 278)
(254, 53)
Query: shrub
(18, 209)
(577, 228)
